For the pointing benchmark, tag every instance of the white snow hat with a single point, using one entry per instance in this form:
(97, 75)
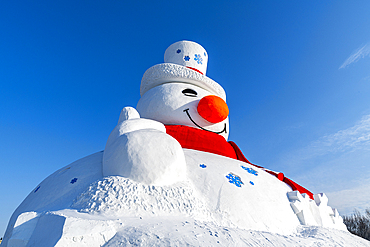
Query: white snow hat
(184, 61)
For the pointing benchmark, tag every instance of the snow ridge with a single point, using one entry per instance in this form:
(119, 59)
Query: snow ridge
(115, 195)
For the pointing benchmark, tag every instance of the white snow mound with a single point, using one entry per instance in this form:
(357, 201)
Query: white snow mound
(115, 195)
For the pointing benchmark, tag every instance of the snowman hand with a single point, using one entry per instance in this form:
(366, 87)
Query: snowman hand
(129, 120)
(127, 113)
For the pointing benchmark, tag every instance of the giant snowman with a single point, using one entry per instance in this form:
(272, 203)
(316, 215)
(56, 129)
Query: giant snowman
(168, 177)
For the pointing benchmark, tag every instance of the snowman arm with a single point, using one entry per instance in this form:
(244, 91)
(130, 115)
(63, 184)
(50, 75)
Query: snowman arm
(140, 149)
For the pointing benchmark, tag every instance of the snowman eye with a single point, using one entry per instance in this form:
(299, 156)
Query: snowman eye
(189, 92)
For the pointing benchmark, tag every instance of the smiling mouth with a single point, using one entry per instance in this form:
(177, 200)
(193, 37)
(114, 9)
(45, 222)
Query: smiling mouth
(187, 113)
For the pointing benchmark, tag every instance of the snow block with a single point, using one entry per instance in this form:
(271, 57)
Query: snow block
(321, 199)
(295, 196)
(296, 207)
(329, 216)
(301, 205)
(315, 212)
(305, 216)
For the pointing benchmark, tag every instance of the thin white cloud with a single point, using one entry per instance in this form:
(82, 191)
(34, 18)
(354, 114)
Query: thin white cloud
(367, 78)
(357, 55)
(349, 199)
(356, 137)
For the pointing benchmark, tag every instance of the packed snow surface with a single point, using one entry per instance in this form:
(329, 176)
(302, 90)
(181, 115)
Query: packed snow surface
(116, 195)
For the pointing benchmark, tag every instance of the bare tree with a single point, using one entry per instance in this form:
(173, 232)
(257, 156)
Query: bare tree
(358, 224)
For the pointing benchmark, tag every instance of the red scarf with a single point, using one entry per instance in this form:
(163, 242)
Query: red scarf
(206, 141)
(201, 140)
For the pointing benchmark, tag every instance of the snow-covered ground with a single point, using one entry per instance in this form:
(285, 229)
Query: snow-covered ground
(69, 228)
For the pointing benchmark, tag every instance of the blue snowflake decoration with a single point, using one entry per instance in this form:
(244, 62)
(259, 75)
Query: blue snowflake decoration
(73, 180)
(178, 51)
(37, 189)
(250, 170)
(202, 165)
(198, 58)
(234, 179)
(251, 182)
(186, 58)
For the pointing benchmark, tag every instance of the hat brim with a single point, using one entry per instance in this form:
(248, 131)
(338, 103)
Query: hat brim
(169, 72)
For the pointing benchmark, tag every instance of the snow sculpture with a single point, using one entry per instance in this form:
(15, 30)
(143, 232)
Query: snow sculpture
(168, 176)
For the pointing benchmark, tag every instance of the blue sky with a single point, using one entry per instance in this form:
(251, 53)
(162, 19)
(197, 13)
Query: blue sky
(296, 74)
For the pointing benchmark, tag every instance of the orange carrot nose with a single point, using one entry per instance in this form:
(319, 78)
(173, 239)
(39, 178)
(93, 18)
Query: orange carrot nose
(213, 109)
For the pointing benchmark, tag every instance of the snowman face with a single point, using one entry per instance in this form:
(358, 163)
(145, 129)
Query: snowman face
(176, 103)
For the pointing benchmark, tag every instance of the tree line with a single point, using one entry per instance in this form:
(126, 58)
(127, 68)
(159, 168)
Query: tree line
(358, 224)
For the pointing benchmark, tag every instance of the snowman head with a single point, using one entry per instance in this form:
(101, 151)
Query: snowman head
(178, 92)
